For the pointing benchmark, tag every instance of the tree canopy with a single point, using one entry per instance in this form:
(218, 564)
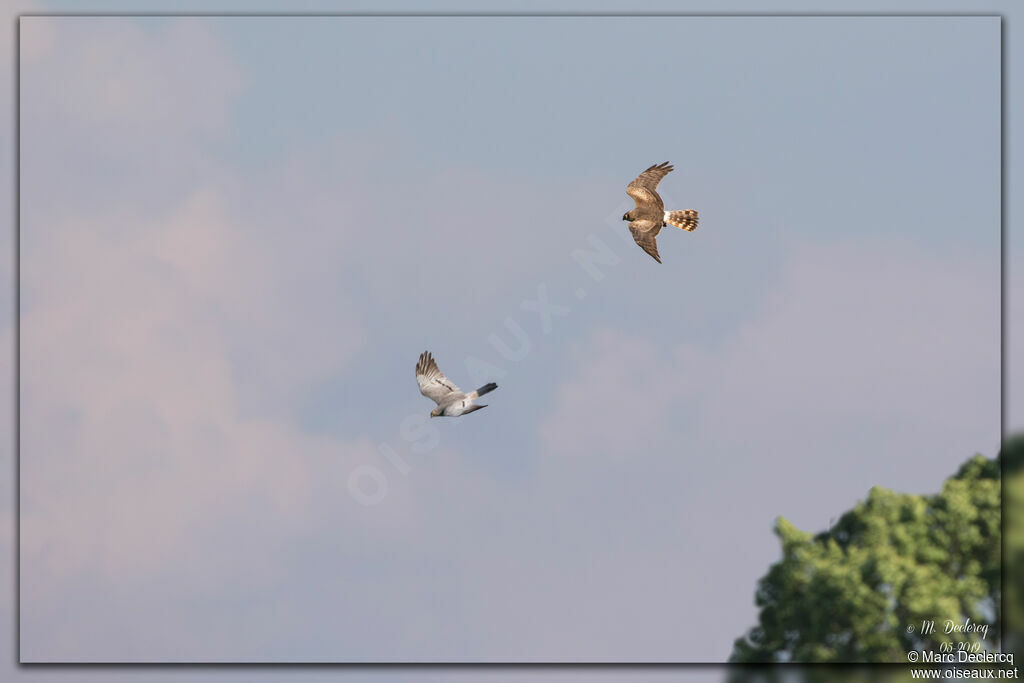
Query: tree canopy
(896, 560)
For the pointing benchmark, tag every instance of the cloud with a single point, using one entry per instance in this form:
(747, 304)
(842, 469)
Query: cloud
(625, 391)
(135, 449)
(867, 364)
(116, 116)
(878, 353)
(1014, 355)
(126, 76)
(179, 302)
(875, 340)
(161, 346)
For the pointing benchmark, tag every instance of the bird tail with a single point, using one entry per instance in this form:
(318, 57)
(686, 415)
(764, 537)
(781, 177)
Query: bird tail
(485, 389)
(687, 220)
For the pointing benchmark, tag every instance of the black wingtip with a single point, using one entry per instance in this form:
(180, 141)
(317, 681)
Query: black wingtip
(486, 389)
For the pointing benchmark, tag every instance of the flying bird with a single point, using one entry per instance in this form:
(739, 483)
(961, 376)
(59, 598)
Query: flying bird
(649, 215)
(450, 400)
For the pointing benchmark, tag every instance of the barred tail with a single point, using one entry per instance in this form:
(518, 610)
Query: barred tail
(485, 389)
(687, 220)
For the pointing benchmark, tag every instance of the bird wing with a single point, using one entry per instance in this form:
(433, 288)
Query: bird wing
(644, 234)
(433, 384)
(643, 190)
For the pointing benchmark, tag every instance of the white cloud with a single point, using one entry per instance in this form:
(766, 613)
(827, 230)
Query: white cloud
(134, 448)
(176, 80)
(141, 312)
(1014, 335)
(175, 307)
(895, 348)
(869, 364)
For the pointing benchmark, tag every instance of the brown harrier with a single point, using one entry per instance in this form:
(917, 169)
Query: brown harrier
(450, 400)
(649, 216)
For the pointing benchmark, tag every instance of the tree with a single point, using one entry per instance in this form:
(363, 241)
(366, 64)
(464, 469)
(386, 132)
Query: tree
(852, 593)
(1013, 544)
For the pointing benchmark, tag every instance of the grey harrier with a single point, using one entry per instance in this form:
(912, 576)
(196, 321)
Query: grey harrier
(649, 216)
(450, 400)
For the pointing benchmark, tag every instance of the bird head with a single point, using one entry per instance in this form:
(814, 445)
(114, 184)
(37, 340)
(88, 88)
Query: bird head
(436, 412)
(626, 217)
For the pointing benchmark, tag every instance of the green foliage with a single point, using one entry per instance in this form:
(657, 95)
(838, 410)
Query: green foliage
(849, 594)
(1013, 543)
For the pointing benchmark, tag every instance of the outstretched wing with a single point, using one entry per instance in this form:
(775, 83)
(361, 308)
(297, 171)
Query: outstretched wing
(644, 234)
(643, 190)
(433, 384)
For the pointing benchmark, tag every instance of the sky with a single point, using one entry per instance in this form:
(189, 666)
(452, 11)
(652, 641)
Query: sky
(234, 245)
